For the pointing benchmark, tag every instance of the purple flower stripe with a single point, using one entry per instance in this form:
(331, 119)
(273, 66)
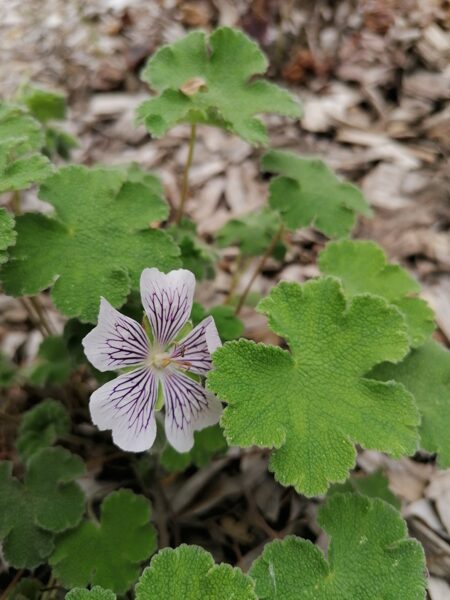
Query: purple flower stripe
(192, 353)
(167, 311)
(134, 397)
(185, 399)
(125, 344)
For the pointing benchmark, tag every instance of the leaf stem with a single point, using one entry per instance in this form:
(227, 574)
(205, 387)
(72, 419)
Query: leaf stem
(34, 318)
(12, 585)
(34, 301)
(241, 264)
(187, 166)
(259, 267)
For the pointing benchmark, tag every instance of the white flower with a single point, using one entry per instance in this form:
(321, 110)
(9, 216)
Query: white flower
(126, 405)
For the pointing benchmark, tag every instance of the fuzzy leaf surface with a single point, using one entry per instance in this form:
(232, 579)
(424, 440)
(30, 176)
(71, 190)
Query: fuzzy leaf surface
(363, 268)
(307, 193)
(96, 244)
(21, 138)
(222, 95)
(109, 553)
(96, 593)
(369, 557)
(425, 372)
(7, 233)
(374, 485)
(189, 573)
(314, 403)
(41, 427)
(47, 502)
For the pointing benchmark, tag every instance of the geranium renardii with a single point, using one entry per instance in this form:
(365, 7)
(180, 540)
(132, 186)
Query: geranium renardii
(159, 365)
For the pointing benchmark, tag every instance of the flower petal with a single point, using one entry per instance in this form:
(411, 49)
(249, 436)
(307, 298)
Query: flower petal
(126, 405)
(116, 342)
(189, 408)
(193, 352)
(167, 300)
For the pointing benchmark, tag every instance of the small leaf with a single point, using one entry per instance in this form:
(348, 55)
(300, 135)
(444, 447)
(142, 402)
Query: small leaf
(375, 485)
(252, 232)
(43, 104)
(21, 137)
(107, 554)
(97, 243)
(189, 573)
(307, 193)
(96, 593)
(41, 427)
(314, 403)
(208, 81)
(47, 502)
(362, 267)
(28, 588)
(369, 557)
(229, 326)
(196, 256)
(7, 233)
(207, 443)
(53, 363)
(425, 372)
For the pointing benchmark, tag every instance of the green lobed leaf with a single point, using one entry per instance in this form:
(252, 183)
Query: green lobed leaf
(314, 403)
(375, 485)
(252, 232)
(43, 104)
(7, 233)
(53, 363)
(21, 138)
(425, 372)
(47, 502)
(189, 573)
(362, 267)
(218, 72)
(196, 256)
(96, 244)
(369, 557)
(207, 443)
(41, 427)
(307, 193)
(96, 593)
(109, 553)
(229, 326)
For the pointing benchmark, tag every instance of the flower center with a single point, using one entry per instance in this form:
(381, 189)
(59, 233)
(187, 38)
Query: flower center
(159, 360)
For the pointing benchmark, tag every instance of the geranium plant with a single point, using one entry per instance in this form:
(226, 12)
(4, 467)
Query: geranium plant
(177, 385)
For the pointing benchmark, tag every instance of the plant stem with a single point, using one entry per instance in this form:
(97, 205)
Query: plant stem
(12, 585)
(259, 267)
(34, 301)
(187, 166)
(240, 266)
(34, 318)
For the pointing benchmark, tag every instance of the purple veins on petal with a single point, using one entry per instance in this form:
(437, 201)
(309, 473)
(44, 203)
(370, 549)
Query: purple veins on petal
(193, 353)
(116, 342)
(126, 406)
(189, 408)
(167, 300)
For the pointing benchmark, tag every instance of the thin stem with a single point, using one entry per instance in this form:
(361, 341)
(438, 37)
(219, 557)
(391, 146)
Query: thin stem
(259, 267)
(187, 166)
(34, 300)
(239, 268)
(34, 318)
(11, 585)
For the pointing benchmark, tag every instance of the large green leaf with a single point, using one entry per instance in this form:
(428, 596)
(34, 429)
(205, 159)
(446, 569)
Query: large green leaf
(189, 573)
(109, 553)
(369, 557)
(425, 372)
(208, 81)
(47, 502)
(362, 267)
(96, 244)
(314, 403)
(307, 193)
